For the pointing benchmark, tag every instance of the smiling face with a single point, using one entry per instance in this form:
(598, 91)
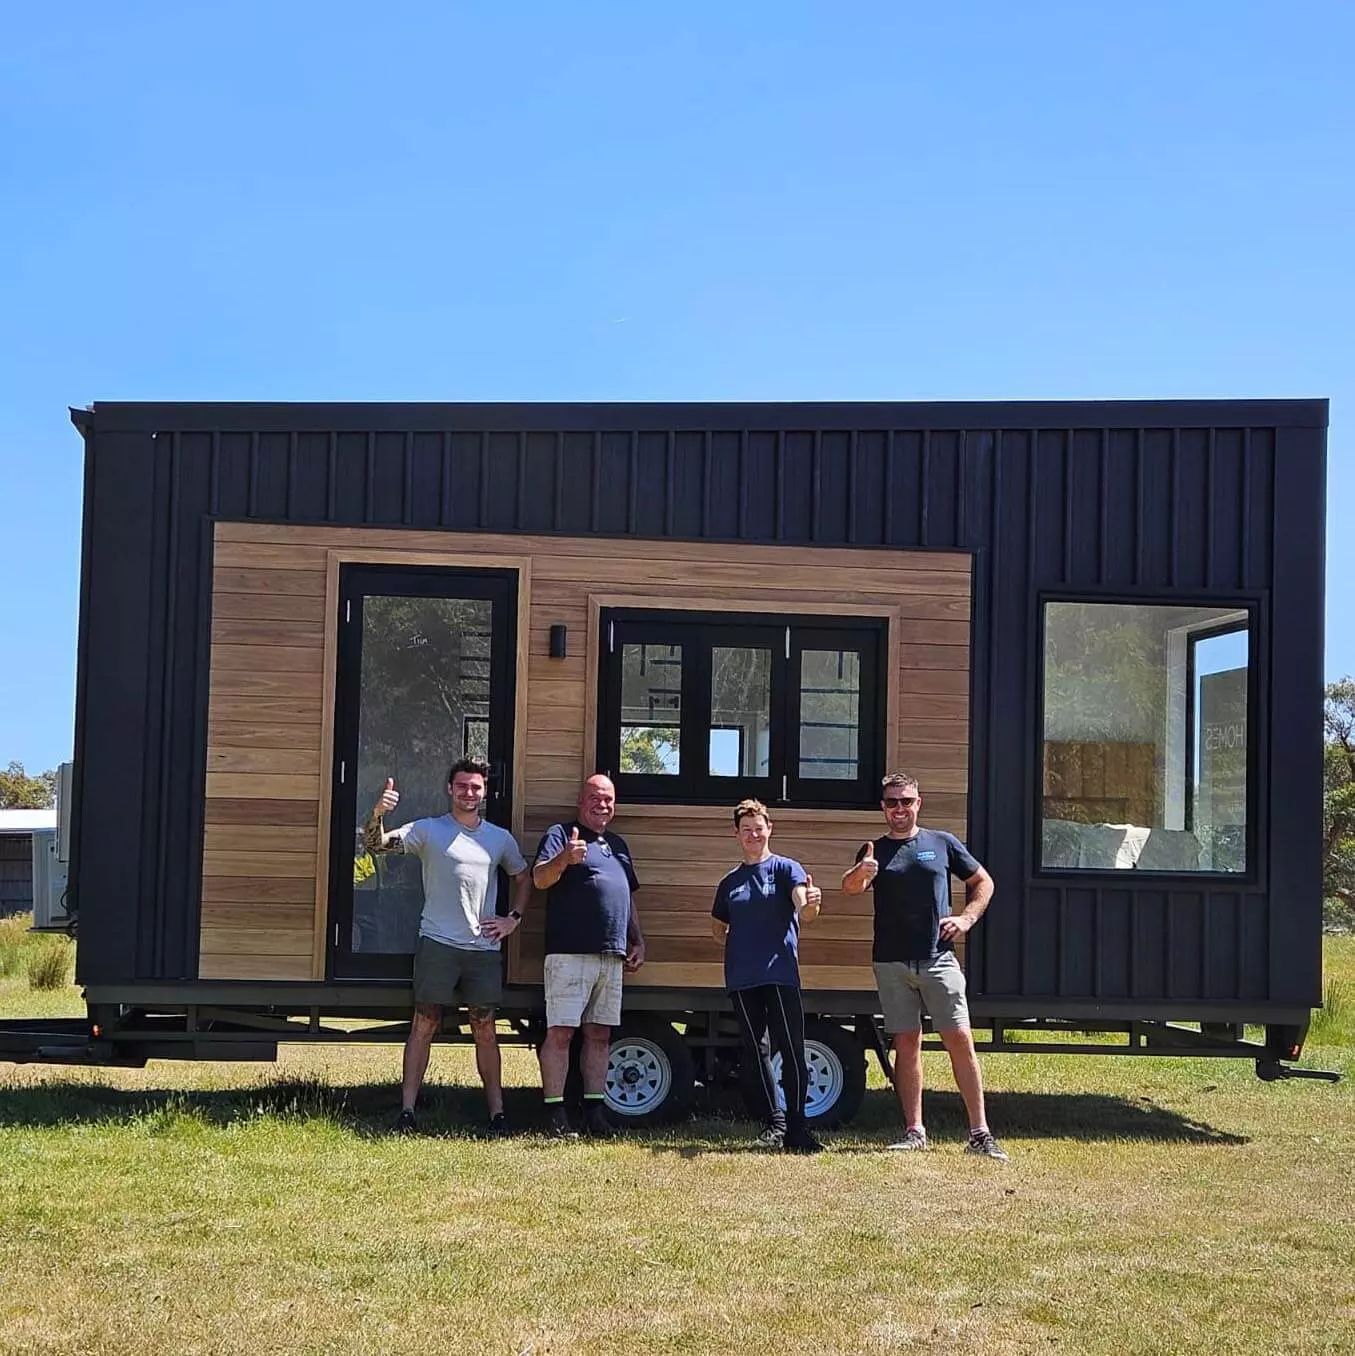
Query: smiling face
(754, 832)
(597, 803)
(467, 792)
(901, 804)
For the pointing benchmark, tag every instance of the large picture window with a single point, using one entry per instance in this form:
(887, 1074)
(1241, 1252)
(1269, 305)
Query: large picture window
(1146, 730)
(704, 708)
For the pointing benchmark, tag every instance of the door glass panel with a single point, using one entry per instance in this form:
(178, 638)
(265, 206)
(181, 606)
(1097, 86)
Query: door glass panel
(651, 709)
(830, 714)
(424, 702)
(740, 712)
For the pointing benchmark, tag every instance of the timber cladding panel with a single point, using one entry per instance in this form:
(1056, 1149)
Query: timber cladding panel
(269, 738)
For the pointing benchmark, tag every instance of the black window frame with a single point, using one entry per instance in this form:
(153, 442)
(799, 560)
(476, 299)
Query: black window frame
(700, 633)
(1257, 628)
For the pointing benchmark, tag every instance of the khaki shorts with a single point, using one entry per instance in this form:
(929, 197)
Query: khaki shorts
(447, 975)
(909, 988)
(581, 988)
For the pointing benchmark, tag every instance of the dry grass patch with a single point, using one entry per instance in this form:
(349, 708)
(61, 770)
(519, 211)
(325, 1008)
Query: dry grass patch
(1151, 1206)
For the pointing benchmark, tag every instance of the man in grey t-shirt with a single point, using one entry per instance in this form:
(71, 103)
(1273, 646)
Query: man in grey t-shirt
(457, 957)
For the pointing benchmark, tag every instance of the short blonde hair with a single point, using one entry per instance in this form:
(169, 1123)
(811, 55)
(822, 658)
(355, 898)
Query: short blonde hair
(750, 807)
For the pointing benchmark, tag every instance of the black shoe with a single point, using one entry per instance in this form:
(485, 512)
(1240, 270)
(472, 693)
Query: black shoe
(498, 1125)
(406, 1124)
(596, 1121)
(801, 1141)
(982, 1143)
(557, 1122)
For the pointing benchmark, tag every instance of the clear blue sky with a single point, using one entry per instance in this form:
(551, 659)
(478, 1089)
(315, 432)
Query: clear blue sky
(636, 201)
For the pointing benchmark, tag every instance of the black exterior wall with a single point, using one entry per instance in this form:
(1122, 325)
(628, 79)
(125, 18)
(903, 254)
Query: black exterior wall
(1163, 501)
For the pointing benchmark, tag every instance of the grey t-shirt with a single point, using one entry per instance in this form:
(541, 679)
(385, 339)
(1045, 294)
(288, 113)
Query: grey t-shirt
(460, 876)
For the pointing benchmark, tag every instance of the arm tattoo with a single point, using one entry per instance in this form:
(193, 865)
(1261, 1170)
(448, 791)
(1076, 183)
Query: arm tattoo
(376, 839)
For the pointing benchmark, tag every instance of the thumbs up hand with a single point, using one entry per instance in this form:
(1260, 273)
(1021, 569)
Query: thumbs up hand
(390, 798)
(575, 850)
(813, 895)
(868, 866)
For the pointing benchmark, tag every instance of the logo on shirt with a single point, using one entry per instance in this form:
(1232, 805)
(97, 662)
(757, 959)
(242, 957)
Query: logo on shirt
(926, 856)
(738, 894)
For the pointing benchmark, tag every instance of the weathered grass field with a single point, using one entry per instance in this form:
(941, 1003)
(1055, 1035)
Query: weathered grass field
(1151, 1206)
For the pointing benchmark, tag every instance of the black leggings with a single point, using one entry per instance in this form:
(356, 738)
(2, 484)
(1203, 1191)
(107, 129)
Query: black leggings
(774, 1010)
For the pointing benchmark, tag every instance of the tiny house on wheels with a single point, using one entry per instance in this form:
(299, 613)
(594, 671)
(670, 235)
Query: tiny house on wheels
(1093, 631)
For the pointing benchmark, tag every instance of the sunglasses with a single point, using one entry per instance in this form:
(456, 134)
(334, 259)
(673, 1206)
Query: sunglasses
(906, 801)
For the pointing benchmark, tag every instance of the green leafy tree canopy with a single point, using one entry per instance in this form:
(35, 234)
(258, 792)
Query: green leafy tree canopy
(19, 791)
(1338, 806)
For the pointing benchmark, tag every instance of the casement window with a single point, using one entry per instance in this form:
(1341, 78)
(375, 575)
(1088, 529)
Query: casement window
(705, 708)
(1147, 717)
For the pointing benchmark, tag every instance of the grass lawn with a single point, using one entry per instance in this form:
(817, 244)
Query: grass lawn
(1151, 1206)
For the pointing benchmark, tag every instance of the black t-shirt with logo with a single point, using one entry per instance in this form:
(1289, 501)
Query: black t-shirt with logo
(912, 893)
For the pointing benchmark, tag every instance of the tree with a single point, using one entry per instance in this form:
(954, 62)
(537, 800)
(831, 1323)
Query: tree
(19, 791)
(1338, 806)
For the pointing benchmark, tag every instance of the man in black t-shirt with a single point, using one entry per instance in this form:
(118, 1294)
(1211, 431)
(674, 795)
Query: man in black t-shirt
(909, 870)
(592, 934)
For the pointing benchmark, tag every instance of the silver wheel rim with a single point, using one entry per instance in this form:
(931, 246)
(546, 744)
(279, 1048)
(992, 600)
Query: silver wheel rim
(639, 1076)
(825, 1079)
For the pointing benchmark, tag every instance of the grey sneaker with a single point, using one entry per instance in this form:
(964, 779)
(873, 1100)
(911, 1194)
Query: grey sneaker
(981, 1142)
(771, 1138)
(913, 1141)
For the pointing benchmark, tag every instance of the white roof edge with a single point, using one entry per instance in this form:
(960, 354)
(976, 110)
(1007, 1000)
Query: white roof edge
(25, 821)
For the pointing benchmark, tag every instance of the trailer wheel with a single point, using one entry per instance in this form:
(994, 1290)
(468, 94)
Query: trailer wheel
(650, 1072)
(836, 1065)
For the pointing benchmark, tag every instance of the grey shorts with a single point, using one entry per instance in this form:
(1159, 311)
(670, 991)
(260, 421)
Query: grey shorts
(910, 988)
(448, 975)
(583, 988)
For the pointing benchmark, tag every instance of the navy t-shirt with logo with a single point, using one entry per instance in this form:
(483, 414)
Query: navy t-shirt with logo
(763, 943)
(912, 893)
(588, 908)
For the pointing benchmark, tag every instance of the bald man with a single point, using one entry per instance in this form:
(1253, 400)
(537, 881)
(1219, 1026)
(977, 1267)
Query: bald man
(592, 934)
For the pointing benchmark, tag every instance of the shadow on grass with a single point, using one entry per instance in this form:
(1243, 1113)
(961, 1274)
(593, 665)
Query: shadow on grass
(719, 1125)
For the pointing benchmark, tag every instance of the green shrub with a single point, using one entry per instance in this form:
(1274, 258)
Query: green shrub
(49, 963)
(1334, 1022)
(13, 934)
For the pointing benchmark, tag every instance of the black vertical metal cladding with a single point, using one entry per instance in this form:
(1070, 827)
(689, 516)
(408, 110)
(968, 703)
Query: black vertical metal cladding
(1295, 782)
(115, 871)
(1132, 501)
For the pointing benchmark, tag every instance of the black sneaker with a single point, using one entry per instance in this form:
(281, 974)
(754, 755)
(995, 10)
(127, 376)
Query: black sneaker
(772, 1138)
(498, 1125)
(801, 1141)
(405, 1123)
(596, 1121)
(982, 1143)
(557, 1122)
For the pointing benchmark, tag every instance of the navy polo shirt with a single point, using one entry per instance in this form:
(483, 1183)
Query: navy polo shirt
(588, 908)
(912, 893)
(763, 943)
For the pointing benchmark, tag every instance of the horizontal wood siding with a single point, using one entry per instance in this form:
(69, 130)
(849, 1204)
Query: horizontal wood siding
(264, 894)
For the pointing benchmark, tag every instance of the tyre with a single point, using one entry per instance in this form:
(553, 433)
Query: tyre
(836, 1067)
(650, 1072)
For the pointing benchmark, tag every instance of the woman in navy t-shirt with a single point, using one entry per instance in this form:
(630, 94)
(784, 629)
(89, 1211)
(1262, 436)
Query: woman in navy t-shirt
(757, 912)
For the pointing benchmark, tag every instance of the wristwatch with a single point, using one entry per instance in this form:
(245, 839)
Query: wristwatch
(515, 915)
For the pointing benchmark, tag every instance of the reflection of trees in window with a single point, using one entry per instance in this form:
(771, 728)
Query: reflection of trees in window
(651, 708)
(740, 711)
(423, 703)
